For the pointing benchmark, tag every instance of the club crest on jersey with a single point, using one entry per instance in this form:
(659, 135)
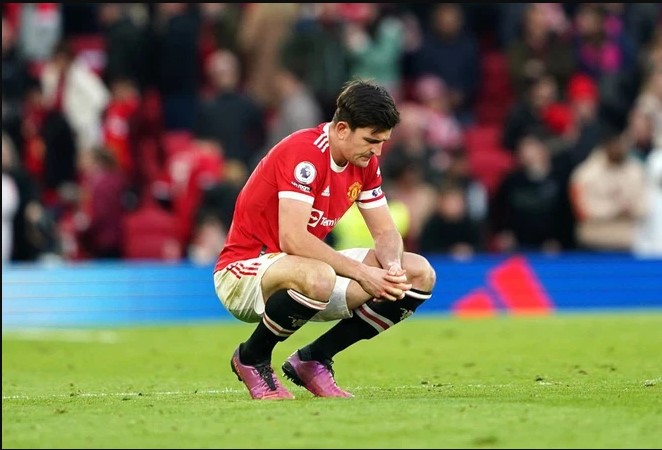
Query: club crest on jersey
(305, 172)
(354, 191)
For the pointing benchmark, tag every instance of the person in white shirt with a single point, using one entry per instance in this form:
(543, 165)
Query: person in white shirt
(648, 241)
(9, 207)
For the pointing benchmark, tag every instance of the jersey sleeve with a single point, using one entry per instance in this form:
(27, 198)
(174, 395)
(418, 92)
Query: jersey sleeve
(372, 196)
(298, 173)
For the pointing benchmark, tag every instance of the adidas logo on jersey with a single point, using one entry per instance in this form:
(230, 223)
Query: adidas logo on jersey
(326, 192)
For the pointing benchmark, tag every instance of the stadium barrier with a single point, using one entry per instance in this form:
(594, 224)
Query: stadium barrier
(127, 293)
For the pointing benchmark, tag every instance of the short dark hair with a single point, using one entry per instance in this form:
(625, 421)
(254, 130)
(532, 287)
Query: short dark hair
(365, 104)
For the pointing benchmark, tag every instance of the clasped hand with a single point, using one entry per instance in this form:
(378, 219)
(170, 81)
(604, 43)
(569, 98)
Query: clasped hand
(387, 284)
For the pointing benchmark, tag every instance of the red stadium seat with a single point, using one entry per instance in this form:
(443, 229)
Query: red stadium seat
(495, 94)
(490, 166)
(478, 137)
(151, 233)
(489, 162)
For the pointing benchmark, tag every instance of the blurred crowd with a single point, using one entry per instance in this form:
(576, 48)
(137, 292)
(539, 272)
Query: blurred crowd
(128, 129)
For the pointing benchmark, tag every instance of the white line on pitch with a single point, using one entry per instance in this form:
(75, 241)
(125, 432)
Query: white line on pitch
(118, 394)
(64, 335)
(209, 392)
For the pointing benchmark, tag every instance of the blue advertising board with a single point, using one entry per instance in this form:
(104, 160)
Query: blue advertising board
(126, 293)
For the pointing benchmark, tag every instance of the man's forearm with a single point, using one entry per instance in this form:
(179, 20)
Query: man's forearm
(389, 248)
(309, 246)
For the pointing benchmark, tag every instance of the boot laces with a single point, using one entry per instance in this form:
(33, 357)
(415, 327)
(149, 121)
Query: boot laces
(266, 372)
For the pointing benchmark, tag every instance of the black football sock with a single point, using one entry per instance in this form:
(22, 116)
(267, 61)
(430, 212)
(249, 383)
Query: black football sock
(285, 312)
(368, 321)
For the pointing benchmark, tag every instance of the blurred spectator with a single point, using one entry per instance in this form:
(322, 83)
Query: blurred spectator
(220, 25)
(443, 129)
(375, 40)
(104, 188)
(316, 48)
(640, 21)
(648, 238)
(263, 29)
(446, 40)
(146, 134)
(634, 22)
(598, 51)
(511, 20)
(559, 123)
(190, 171)
(606, 55)
(15, 81)
(118, 119)
(10, 200)
(410, 140)
(475, 192)
(40, 30)
(32, 139)
(71, 88)
(530, 208)
(640, 128)
(404, 182)
(69, 220)
(296, 108)
(539, 49)
(651, 55)
(125, 46)
(218, 199)
(450, 229)
(528, 112)
(583, 98)
(33, 232)
(232, 118)
(173, 44)
(648, 105)
(608, 193)
(209, 234)
(61, 158)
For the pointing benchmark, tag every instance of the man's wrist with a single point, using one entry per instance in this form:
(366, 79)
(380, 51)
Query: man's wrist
(393, 263)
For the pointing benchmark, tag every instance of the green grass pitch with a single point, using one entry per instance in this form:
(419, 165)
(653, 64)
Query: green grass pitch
(560, 381)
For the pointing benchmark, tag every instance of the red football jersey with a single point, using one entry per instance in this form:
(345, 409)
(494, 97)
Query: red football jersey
(299, 167)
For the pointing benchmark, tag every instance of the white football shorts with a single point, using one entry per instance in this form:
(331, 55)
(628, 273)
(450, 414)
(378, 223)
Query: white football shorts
(238, 288)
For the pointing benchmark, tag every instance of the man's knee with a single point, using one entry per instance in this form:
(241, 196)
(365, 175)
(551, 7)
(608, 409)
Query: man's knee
(310, 277)
(316, 281)
(419, 271)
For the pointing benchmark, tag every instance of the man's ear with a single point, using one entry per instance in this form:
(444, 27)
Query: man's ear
(342, 130)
